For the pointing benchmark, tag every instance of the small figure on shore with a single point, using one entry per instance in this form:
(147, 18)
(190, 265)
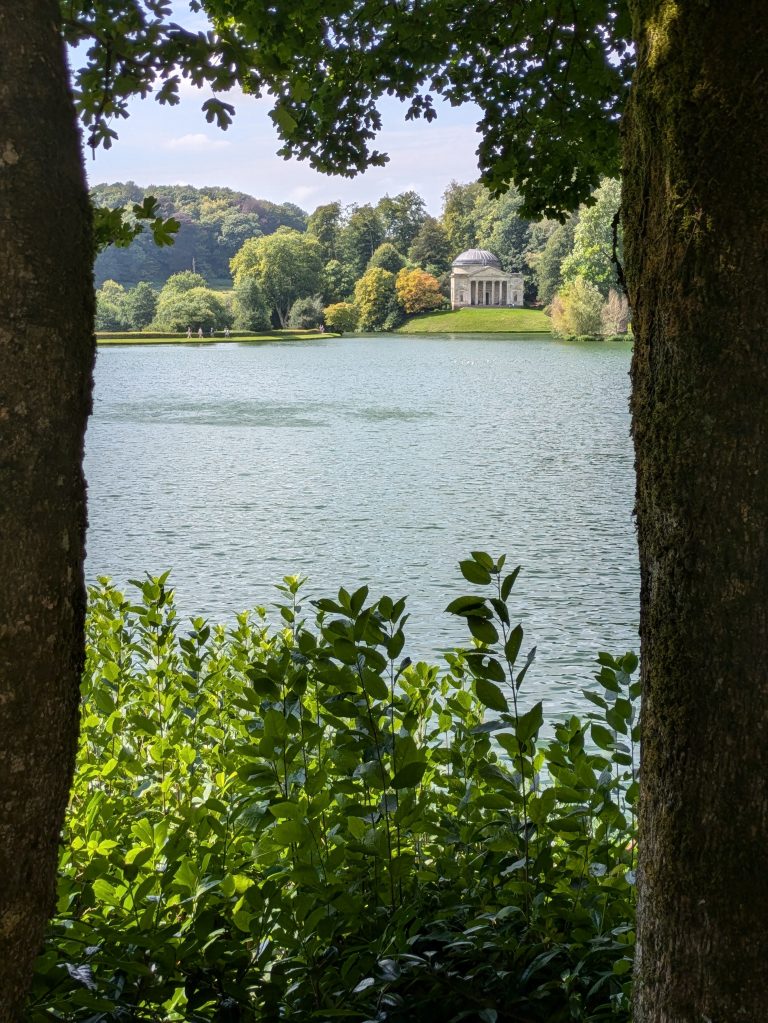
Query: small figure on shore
(189, 332)
(200, 333)
(213, 332)
(226, 332)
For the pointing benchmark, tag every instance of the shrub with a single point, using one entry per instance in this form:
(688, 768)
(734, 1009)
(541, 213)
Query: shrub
(111, 310)
(300, 823)
(306, 313)
(341, 317)
(195, 307)
(576, 309)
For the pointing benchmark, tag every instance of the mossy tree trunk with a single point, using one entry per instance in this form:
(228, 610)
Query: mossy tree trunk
(46, 356)
(696, 245)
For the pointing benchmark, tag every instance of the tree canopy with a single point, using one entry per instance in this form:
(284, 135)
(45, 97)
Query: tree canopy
(550, 122)
(287, 265)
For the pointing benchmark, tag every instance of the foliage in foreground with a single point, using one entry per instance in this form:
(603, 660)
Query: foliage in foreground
(301, 824)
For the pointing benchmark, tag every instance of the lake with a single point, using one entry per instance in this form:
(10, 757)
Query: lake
(381, 460)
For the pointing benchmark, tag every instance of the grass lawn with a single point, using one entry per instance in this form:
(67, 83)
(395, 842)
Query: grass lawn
(479, 320)
(148, 338)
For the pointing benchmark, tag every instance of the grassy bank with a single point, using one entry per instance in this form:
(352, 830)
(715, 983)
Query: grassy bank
(154, 338)
(479, 320)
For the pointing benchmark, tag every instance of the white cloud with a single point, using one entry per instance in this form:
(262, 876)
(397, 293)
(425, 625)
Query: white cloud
(196, 142)
(303, 192)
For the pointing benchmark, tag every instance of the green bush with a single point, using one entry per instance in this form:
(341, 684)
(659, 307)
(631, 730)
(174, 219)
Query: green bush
(299, 823)
(341, 317)
(306, 313)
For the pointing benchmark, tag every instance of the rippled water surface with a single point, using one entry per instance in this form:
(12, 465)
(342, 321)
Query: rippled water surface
(381, 460)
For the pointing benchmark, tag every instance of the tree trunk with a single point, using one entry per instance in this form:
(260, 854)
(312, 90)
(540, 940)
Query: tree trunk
(46, 357)
(696, 244)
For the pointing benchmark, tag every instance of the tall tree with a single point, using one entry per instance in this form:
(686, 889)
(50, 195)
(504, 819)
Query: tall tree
(47, 349)
(402, 216)
(324, 223)
(696, 236)
(548, 266)
(501, 229)
(362, 234)
(287, 265)
(592, 256)
(431, 248)
(458, 220)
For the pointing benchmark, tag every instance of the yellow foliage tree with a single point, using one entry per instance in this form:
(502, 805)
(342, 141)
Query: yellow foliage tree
(418, 291)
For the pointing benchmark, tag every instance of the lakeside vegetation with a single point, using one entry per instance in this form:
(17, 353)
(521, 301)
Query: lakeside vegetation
(298, 822)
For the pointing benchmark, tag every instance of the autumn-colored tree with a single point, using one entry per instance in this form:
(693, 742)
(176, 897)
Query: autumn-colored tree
(418, 291)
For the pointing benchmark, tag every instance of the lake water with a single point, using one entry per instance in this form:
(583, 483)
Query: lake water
(381, 460)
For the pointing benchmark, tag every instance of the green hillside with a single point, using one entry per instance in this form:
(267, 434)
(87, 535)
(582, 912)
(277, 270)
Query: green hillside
(479, 320)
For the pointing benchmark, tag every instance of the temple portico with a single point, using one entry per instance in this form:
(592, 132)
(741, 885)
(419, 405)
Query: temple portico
(477, 279)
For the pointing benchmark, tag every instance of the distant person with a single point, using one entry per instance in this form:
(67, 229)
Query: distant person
(226, 332)
(200, 333)
(189, 332)
(213, 332)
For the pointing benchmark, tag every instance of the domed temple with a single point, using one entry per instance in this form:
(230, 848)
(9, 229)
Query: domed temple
(478, 279)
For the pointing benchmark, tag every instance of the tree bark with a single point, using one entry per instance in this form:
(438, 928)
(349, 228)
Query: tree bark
(46, 357)
(696, 246)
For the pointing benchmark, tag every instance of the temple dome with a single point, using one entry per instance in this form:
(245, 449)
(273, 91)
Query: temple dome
(477, 257)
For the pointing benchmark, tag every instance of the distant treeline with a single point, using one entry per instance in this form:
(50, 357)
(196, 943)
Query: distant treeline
(353, 256)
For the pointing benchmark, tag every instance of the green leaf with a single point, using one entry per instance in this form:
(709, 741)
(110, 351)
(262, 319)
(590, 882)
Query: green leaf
(357, 827)
(408, 777)
(512, 646)
(602, 737)
(475, 573)
(629, 662)
(489, 694)
(357, 599)
(467, 605)
(529, 724)
(501, 609)
(286, 810)
(290, 831)
(524, 671)
(484, 560)
(508, 583)
(375, 685)
(482, 629)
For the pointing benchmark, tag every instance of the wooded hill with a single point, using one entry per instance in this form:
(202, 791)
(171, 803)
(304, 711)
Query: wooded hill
(214, 224)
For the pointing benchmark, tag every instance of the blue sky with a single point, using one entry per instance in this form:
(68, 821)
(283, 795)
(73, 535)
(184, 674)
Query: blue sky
(175, 145)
